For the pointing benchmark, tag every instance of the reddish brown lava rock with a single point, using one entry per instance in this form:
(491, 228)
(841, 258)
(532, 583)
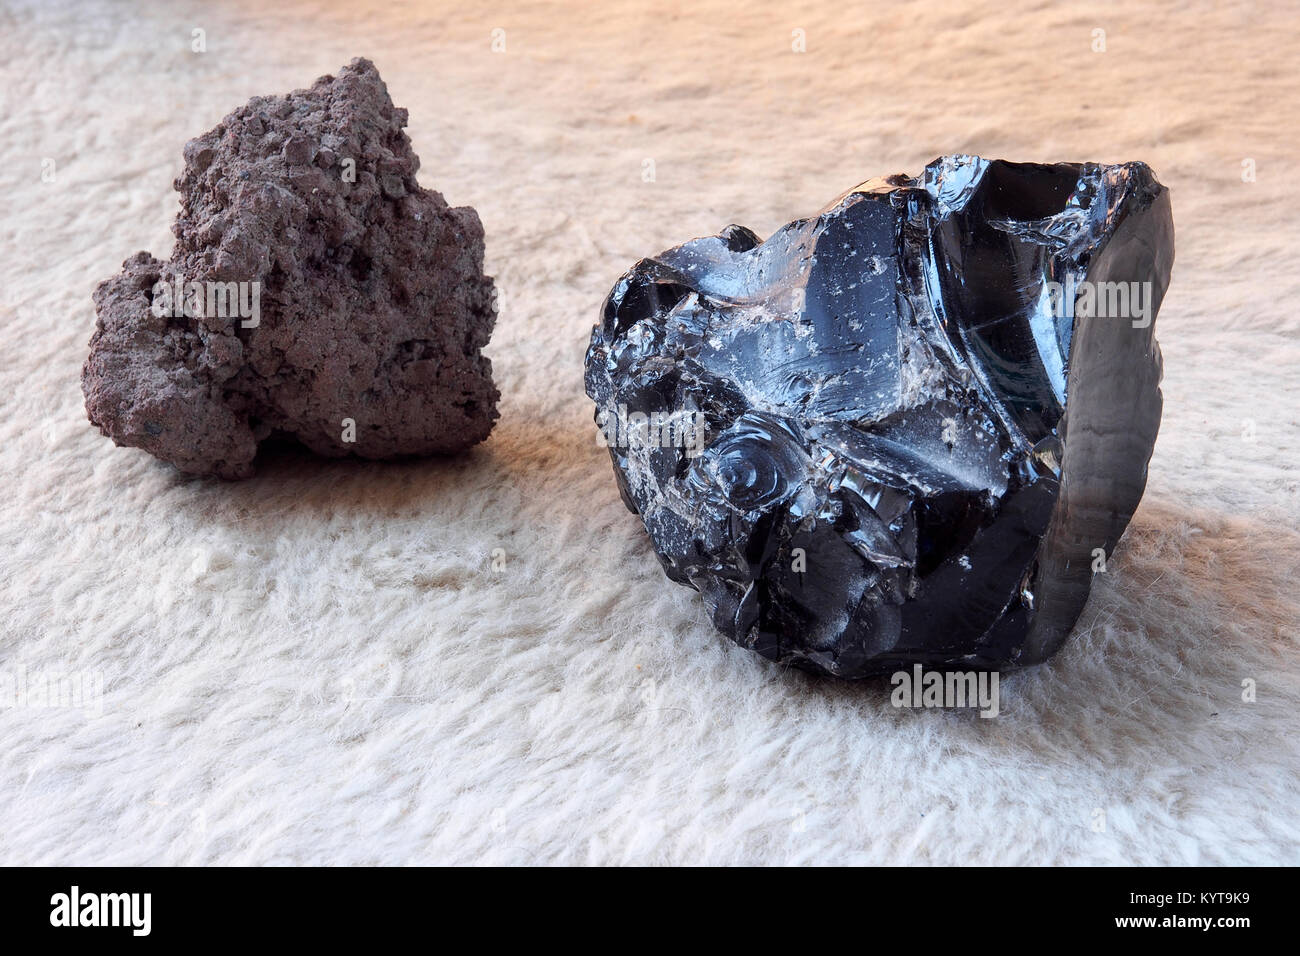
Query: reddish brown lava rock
(316, 292)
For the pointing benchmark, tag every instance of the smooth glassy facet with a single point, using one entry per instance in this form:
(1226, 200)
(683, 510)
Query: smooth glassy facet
(904, 429)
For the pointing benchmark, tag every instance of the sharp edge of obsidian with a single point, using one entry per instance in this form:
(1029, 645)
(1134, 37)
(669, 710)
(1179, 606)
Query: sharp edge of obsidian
(906, 430)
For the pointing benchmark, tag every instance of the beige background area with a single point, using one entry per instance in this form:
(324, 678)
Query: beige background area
(321, 664)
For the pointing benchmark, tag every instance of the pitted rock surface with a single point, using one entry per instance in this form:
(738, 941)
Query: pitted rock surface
(316, 292)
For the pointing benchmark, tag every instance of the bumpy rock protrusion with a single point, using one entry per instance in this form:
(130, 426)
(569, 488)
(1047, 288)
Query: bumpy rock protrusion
(316, 292)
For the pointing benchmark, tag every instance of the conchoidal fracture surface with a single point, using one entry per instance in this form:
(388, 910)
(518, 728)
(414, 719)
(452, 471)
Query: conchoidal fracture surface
(905, 430)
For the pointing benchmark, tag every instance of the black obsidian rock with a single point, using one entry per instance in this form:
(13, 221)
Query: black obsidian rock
(906, 430)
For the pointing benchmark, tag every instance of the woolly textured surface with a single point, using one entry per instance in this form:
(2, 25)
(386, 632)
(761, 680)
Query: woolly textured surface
(323, 665)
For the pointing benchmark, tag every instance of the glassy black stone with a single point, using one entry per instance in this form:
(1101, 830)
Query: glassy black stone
(906, 430)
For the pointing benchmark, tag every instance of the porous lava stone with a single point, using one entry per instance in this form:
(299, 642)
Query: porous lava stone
(365, 306)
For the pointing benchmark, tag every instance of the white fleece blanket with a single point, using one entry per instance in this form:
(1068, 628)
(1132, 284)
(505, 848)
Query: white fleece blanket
(325, 664)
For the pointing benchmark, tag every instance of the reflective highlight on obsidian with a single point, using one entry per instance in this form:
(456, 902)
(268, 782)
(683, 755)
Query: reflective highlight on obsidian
(929, 409)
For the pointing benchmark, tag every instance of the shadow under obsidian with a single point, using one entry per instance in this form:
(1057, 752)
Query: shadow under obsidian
(1192, 604)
